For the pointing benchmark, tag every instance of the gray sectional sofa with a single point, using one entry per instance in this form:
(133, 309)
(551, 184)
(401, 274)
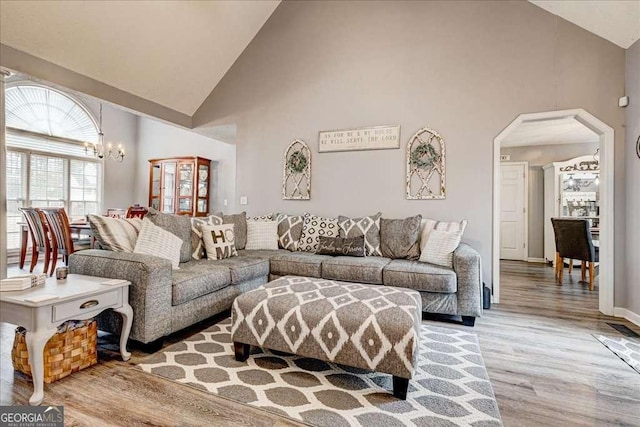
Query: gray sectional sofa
(165, 300)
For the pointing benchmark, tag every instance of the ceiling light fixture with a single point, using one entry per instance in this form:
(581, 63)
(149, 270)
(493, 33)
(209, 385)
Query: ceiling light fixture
(99, 150)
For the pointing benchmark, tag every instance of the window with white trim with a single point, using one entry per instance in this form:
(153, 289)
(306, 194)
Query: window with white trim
(46, 161)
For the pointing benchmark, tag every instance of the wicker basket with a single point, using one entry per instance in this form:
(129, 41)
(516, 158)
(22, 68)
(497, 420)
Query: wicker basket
(71, 349)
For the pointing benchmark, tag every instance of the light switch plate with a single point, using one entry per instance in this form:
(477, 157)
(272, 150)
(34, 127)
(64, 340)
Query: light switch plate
(243, 200)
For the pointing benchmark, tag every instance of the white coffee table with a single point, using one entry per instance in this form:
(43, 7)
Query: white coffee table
(78, 298)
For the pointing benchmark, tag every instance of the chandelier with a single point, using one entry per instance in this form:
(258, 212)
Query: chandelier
(100, 151)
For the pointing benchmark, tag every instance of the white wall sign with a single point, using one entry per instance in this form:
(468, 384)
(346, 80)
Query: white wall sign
(505, 157)
(373, 138)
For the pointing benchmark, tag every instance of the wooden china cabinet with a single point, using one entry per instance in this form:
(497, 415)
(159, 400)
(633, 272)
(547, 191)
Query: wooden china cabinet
(180, 185)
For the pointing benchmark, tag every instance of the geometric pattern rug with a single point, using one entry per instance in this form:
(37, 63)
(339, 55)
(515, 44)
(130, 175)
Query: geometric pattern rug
(450, 388)
(626, 349)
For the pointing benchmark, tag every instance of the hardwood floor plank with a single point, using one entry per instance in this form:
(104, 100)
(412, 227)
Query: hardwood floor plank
(545, 366)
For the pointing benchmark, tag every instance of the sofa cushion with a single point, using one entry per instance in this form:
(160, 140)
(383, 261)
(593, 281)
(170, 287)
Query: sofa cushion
(289, 231)
(264, 253)
(245, 267)
(262, 235)
(368, 226)
(198, 278)
(179, 225)
(351, 269)
(154, 240)
(399, 237)
(219, 241)
(420, 276)
(312, 228)
(298, 264)
(239, 222)
(336, 246)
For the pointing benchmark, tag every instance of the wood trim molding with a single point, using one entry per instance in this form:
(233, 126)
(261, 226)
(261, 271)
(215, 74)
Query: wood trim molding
(627, 314)
(537, 260)
(607, 175)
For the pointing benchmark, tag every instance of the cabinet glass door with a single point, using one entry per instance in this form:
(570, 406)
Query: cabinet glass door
(203, 188)
(155, 186)
(168, 190)
(185, 188)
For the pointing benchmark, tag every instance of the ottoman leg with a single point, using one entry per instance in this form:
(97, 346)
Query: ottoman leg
(400, 387)
(241, 350)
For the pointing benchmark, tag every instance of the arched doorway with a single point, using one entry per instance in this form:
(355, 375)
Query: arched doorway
(606, 138)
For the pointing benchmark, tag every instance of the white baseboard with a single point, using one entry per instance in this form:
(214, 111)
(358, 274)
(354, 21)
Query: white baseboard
(627, 314)
(538, 260)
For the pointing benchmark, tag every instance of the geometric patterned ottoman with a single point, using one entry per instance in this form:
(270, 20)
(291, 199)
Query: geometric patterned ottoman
(364, 326)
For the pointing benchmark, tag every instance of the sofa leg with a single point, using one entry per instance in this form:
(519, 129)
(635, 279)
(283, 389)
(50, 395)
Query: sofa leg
(400, 387)
(468, 320)
(153, 346)
(241, 351)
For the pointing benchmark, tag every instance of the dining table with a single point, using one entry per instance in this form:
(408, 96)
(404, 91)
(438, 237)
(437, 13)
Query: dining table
(77, 227)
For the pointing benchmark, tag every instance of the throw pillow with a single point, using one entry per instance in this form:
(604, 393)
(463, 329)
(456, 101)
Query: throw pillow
(179, 225)
(289, 231)
(439, 247)
(312, 228)
(115, 234)
(197, 244)
(399, 237)
(354, 246)
(428, 225)
(267, 217)
(240, 229)
(219, 240)
(154, 240)
(262, 235)
(368, 226)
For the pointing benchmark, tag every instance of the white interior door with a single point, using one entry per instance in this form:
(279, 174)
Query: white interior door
(513, 212)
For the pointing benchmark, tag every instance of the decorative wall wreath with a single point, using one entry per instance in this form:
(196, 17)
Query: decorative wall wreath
(424, 156)
(297, 162)
(638, 147)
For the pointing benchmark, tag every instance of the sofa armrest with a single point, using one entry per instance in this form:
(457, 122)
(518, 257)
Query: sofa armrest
(467, 265)
(150, 292)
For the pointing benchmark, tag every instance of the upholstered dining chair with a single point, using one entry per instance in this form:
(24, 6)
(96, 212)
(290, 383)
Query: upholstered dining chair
(573, 241)
(40, 239)
(136, 211)
(61, 239)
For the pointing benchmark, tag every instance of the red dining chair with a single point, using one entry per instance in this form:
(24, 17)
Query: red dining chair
(136, 211)
(61, 239)
(40, 239)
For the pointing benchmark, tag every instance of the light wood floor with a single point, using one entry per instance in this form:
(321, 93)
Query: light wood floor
(544, 364)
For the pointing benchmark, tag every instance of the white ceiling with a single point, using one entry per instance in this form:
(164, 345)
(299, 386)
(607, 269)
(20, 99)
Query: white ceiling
(141, 47)
(615, 20)
(550, 132)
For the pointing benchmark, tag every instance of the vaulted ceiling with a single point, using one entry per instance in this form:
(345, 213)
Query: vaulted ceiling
(172, 54)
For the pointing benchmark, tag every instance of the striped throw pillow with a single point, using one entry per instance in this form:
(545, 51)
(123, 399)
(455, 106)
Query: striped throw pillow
(115, 234)
(154, 240)
(439, 247)
(428, 225)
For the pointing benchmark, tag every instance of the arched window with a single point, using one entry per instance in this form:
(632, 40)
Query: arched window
(48, 112)
(46, 161)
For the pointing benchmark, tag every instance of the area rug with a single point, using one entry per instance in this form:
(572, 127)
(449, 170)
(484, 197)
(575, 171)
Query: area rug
(627, 349)
(451, 387)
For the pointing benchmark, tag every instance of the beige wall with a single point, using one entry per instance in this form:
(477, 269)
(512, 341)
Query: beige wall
(467, 69)
(631, 297)
(538, 156)
(159, 140)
